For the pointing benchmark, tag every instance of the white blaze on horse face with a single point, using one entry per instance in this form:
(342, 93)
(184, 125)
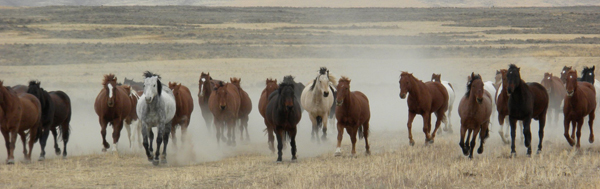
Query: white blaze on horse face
(110, 90)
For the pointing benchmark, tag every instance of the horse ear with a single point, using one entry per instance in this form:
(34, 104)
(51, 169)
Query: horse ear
(231, 79)
(593, 68)
(158, 86)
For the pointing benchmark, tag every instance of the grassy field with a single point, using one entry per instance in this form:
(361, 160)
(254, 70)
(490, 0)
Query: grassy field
(71, 48)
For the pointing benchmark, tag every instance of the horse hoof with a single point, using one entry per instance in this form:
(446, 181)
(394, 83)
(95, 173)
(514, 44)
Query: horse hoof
(480, 150)
(163, 161)
(450, 131)
(412, 143)
(337, 154)
(591, 140)
(294, 160)
(368, 153)
(57, 151)
(155, 162)
(513, 154)
(104, 149)
(538, 152)
(41, 159)
(10, 161)
(278, 161)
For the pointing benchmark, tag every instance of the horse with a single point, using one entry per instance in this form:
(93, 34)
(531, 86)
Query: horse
(206, 85)
(113, 106)
(56, 111)
(133, 119)
(157, 111)
(490, 88)
(353, 114)
(271, 85)
(588, 75)
(501, 101)
(21, 112)
(245, 107)
(498, 80)
(424, 99)
(451, 96)
(137, 86)
(579, 102)
(283, 114)
(224, 103)
(475, 109)
(19, 88)
(556, 92)
(317, 101)
(184, 107)
(525, 101)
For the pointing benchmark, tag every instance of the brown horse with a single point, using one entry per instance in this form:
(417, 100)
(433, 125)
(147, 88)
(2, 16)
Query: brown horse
(563, 73)
(224, 103)
(184, 106)
(245, 107)
(580, 101)
(475, 109)
(424, 99)
(353, 114)
(113, 105)
(206, 84)
(557, 93)
(271, 85)
(20, 112)
(134, 95)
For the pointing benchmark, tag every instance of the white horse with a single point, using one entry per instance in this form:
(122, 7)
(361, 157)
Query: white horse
(451, 96)
(490, 88)
(156, 110)
(317, 100)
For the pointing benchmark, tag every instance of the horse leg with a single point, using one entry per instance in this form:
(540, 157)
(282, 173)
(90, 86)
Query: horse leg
(579, 125)
(427, 127)
(167, 130)
(151, 138)
(128, 129)
(411, 117)
(292, 135)
(279, 134)
(240, 123)
(231, 131)
(159, 139)
(574, 124)
(542, 122)
(483, 134)
(117, 127)
(218, 126)
(245, 121)
(352, 132)
(145, 132)
(468, 142)
(513, 135)
(13, 140)
(6, 136)
(271, 138)
(54, 134)
(448, 123)
(103, 124)
(366, 135)
(324, 123)
(461, 143)
(173, 128)
(523, 131)
(473, 140)
(501, 120)
(24, 141)
(314, 131)
(439, 118)
(65, 133)
(567, 123)
(591, 123)
(43, 140)
(338, 149)
(32, 135)
(527, 133)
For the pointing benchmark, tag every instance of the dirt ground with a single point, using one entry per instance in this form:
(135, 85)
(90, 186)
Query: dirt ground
(201, 163)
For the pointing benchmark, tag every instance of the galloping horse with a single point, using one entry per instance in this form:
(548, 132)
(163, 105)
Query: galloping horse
(588, 75)
(157, 111)
(133, 119)
(451, 96)
(184, 106)
(501, 99)
(497, 80)
(579, 102)
(271, 85)
(424, 99)
(317, 101)
(475, 109)
(20, 112)
(206, 85)
(224, 103)
(56, 111)
(490, 88)
(556, 92)
(113, 106)
(245, 107)
(525, 101)
(353, 114)
(283, 114)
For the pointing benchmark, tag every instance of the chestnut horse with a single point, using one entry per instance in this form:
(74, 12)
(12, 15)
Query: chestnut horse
(245, 107)
(271, 85)
(424, 99)
(525, 101)
(224, 103)
(20, 112)
(206, 84)
(475, 109)
(451, 96)
(283, 114)
(579, 102)
(183, 112)
(113, 105)
(353, 114)
(501, 99)
(556, 92)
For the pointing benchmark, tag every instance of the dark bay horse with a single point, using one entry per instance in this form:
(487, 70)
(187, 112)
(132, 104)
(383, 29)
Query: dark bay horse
(283, 114)
(184, 106)
(245, 107)
(579, 102)
(206, 84)
(224, 103)
(56, 111)
(271, 85)
(424, 99)
(556, 92)
(501, 99)
(526, 101)
(353, 114)
(113, 105)
(21, 112)
(475, 109)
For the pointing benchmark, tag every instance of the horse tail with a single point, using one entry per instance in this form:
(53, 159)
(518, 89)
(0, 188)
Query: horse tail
(319, 122)
(361, 135)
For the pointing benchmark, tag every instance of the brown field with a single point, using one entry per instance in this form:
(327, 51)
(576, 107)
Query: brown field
(71, 52)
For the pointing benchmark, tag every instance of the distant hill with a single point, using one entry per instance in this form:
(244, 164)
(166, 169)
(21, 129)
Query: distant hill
(310, 3)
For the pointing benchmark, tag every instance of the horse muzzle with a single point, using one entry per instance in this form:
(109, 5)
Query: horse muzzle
(148, 100)
(402, 96)
(339, 102)
(479, 100)
(111, 104)
(223, 107)
(289, 107)
(570, 93)
(325, 94)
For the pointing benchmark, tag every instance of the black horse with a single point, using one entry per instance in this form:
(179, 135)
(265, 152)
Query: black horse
(56, 111)
(525, 101)
(587, 74)
(283, 113)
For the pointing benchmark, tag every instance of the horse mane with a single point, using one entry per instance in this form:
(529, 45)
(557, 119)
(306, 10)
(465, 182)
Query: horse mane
(323, 71)
(288, 78)
(512, 66)
(149, 74)
(475, 77)
(109, 78)
(332, 79)
(344, 78)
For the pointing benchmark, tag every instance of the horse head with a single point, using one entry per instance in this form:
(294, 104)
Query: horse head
(35, 89)
(436, 77)
(343, 90)
(321, 83)
(203, 82)
(221, 94)
(152, 88)
(174, 86)
(109, 83)
(271, 84)
(587, 74)
(503, 73)
(513, 78)
(475, 87)
(563, 73)
(286, 95)
(236, 81)
(571, 82)
(498, 77)
(547, 82)
(406, 81)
